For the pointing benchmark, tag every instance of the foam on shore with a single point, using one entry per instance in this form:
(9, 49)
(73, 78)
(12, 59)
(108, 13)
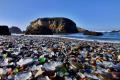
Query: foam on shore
(63, 36)
(106, 41)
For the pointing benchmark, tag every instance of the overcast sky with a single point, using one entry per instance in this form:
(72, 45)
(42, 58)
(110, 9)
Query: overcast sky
(96, 15)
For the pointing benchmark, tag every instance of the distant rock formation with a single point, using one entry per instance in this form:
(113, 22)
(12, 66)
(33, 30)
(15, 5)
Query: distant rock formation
(115, 31)
(15, 30)
(81, 30)
(4, 30)
(87, 32)
(57, 25)
(92, 33)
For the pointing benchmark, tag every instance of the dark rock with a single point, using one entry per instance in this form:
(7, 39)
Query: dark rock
(92, 33)
(81, 30)
(115, 31)
(43, 30)
(52, 26)
(15, 30)
(4, 30)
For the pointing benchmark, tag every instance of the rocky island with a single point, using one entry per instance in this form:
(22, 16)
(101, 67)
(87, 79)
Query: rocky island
(50, 26)
(56, 25)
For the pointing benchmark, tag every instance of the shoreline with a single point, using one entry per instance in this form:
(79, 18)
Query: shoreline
(63, 36)
(101, 41)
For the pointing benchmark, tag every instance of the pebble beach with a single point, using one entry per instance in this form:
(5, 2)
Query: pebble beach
(56, 58)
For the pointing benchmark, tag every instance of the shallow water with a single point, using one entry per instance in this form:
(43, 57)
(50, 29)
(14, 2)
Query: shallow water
(107, 36)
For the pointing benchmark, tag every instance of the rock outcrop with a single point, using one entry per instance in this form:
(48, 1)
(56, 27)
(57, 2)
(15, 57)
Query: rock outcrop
(15, 30)
(92, 33)
(87, 32)
(81, 30)
(4, 30)
(56, 25)
(39, 30)
(115, 31)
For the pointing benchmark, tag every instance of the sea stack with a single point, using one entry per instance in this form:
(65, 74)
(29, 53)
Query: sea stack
(57, 25)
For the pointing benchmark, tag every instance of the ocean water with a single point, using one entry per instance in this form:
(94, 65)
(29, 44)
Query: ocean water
(107, 36)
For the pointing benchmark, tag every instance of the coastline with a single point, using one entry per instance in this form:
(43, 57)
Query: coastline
(101, 41)
(63, 36)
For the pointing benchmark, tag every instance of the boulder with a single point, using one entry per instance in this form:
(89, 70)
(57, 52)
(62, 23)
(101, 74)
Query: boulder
(92, 33)
(15, 30)
(4, 30)
(57, 25)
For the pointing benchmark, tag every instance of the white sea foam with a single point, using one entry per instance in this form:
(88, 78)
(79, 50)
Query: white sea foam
(107, 41)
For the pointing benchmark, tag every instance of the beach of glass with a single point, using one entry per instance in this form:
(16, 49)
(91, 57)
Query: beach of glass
(57, 58)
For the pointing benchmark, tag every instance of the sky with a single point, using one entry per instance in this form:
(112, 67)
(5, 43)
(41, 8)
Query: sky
(95, 15)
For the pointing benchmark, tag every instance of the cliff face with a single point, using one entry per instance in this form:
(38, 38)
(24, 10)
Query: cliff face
(15, 30)
(4, 30)
(39, 30)
(52, 25)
